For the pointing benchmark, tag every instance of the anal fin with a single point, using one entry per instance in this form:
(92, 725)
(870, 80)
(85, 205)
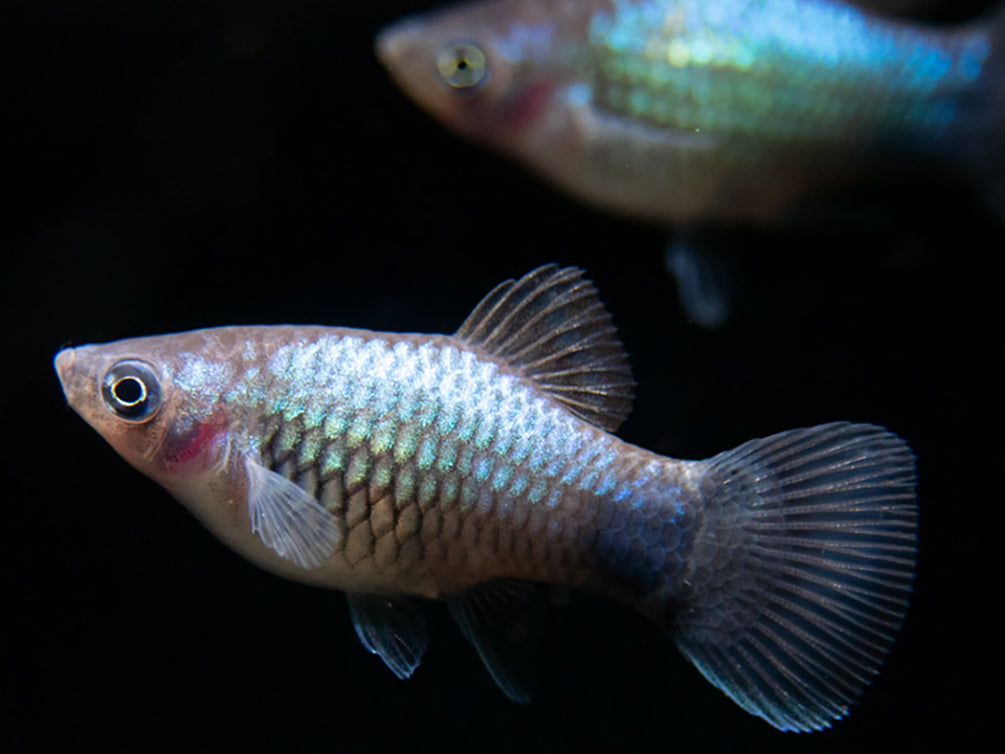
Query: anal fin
(500, 619)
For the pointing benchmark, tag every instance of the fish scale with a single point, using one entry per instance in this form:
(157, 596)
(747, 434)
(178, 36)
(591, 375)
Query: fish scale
(472, 467)
(733, 74)
(475, 458)
(381, 526)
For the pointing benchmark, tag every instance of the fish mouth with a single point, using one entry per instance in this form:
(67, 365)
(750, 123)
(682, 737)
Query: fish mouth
(64, 363)
(392, 42)
(74, 367)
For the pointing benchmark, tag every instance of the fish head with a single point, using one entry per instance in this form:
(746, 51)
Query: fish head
(185, 409)
(154, 403)
(485, 70)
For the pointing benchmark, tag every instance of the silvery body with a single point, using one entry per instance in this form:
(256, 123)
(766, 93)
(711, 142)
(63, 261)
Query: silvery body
(471, 467)
(705, 114)
(686, 111)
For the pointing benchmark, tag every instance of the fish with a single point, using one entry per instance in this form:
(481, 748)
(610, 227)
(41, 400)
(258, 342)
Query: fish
(479, 467)
(699, 114)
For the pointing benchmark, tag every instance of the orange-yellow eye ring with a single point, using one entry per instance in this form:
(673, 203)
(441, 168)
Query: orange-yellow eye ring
(462, 65)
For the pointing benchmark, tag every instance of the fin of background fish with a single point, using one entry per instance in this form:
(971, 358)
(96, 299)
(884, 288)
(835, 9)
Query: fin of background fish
(288, 519)
(392, 628)
(499, 618)
(551, 326)
(794, 628)
(703, 283)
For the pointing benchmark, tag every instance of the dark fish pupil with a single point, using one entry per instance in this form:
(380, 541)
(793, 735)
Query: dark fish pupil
(129, 391)
(462, 65)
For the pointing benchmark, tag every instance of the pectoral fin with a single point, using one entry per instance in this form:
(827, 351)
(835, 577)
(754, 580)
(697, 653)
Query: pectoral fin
(288, 520)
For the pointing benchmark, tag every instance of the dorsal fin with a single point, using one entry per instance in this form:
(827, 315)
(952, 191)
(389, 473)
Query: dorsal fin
(551, 326)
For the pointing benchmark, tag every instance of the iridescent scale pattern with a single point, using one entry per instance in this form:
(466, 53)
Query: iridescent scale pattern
(780, 70)
(445, 469)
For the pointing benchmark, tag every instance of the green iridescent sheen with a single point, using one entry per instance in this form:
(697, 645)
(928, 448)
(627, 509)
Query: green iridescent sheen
(780, 70)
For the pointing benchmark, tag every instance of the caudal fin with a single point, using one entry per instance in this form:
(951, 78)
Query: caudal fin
(802, 569)
(987, 142)
(997, 74)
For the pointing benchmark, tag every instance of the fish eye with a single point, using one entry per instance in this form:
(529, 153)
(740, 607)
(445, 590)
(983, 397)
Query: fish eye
(462, 65)
(131, 391)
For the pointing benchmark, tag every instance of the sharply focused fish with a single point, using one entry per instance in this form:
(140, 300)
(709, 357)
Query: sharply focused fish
(465, 467)
(687, 111)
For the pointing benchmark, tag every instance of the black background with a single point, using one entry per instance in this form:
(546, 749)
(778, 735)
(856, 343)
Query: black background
(190, 164)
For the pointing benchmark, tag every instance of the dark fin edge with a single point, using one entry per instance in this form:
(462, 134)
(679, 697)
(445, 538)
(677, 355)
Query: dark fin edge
(394, 628)
(551, 327)
(814, 569)
(500, 618)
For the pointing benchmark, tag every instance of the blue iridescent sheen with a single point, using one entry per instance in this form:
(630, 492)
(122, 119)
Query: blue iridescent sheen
(775, 66)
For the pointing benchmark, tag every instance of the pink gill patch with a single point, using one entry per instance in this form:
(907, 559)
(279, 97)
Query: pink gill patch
(182, 450)
(525, 108)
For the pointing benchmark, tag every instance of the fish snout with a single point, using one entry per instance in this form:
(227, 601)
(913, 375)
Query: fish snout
(75, 368)
(390, 44)
(64, 365)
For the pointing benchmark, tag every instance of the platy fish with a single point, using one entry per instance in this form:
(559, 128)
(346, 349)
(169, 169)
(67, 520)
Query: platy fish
(467, 467)
(690, 111)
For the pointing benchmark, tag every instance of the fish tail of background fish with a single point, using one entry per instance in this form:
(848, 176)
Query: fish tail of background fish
(988, 147)
(800, 571)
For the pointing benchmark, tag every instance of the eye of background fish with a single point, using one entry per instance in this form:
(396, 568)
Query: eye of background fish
(462, 65)
(131, 391)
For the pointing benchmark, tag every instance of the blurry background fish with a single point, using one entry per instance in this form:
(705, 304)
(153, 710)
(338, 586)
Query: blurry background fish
(696, 112)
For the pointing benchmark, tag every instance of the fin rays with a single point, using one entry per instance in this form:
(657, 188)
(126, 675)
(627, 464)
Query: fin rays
(288, 520)
(499, 618)
(828, 563)
(551, 327)
(394, 629)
